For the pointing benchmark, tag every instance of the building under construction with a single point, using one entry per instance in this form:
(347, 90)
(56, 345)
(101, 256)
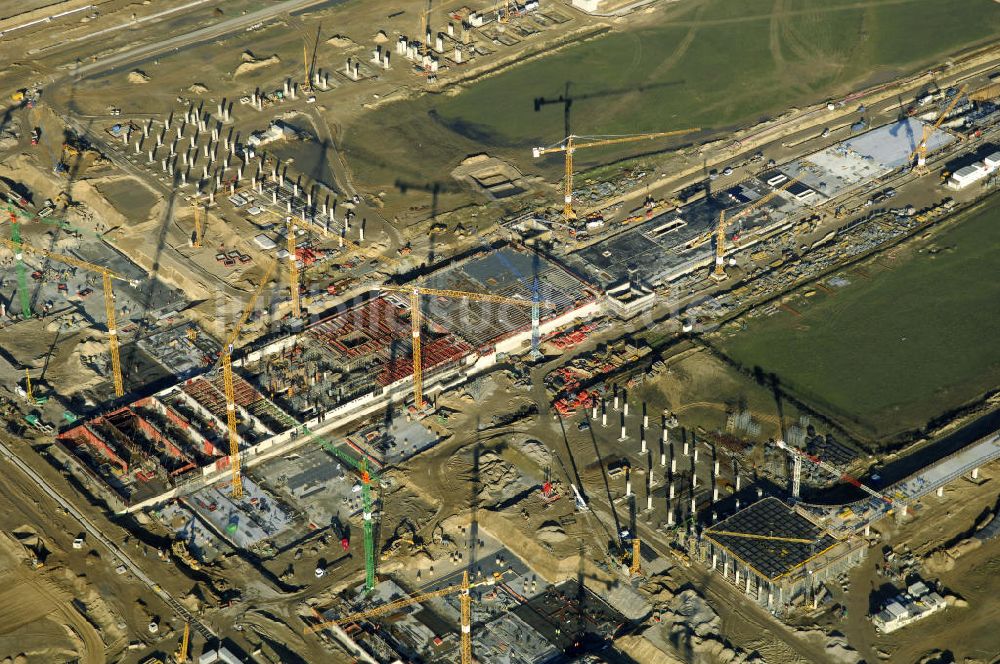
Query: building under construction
(340, 369)
(775, 554)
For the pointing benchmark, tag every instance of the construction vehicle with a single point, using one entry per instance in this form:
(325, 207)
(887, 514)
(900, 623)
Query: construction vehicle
(465, 601)
(226, 359)
(415, 321)
(921, 150)
(571, 144)
(109, 298)
(36, 133)
(719, 272)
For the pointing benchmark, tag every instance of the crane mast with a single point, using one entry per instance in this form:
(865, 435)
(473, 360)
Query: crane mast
(921, 151)
(227, 376)
(416, 317)
(719, 272)
(293, 269)
(570, 145)
(109, 300)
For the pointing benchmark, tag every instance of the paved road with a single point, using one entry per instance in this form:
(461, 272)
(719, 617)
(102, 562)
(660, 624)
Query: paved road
(95, 532)
(209, 32)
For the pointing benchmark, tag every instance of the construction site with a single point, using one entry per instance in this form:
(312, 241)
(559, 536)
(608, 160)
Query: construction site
(344, 332)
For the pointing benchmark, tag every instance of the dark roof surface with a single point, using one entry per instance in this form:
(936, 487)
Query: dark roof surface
(771, 517)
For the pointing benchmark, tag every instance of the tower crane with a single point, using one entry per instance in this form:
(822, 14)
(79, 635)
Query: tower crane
(635, 569)
(368, 477)
(293, 268)
(109, 298)
(921, 150)
(833, 470)
(571, 144)
(465, 601)
(415, 320)
(182, 652)
(22, 278)
(719, 272)
(225, 357)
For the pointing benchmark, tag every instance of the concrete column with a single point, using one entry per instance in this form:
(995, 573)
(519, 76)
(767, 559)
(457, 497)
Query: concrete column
(694, 506)
(673, 466)
(716, 471)
(642, 449)
(623, 436)
(670, 515)
(715, 560)
(663, 458)
(940, 491)
(696, 454)
(625, 406)
(685, 448)
(737, 482)
(628, 484)
(616, 402)
(715, 494)
(649, 500)
(671, 494)
(975, 473)
(604, 416)
(593, 411)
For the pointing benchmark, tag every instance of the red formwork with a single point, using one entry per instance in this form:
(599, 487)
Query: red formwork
(375, 327)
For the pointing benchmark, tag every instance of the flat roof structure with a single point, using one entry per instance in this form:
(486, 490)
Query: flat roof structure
(771, 518)
(864, 157)
(668, 245)
(508, 271)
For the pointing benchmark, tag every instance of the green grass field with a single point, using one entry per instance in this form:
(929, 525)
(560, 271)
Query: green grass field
(891, 353)
(706, 63)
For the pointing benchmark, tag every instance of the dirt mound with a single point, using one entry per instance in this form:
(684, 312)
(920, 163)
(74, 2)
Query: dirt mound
(251, 63)
(197, 88)
(534, 450)
(551, 532)
(340, 41)
(138, 76)
(380, 37)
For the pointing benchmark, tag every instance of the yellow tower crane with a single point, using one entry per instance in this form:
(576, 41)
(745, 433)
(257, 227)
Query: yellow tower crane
(719, 272)
(226, 359)
(571, 144)
(425, 31)
(293, 268)
(182, 652)
(465, 601)
(636, 568)
(27, 386)
(109, 299)
(921, 150)
(415, 320)
(306, 82)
